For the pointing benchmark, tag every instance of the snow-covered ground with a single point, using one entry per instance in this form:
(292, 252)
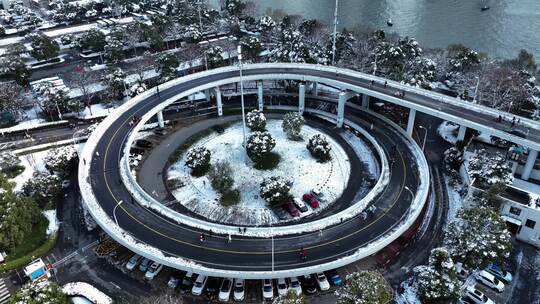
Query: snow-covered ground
(367, 156)
(296, 163)
(32, 162)
(455, 201)
(53, 221)
(88, 291)
(448, 131)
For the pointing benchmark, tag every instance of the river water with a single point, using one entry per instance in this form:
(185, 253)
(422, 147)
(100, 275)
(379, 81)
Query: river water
(501, 31)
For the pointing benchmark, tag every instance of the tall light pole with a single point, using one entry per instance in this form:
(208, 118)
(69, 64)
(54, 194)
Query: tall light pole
(114, 211)
(335, 31)
(425, 137)
(199, 3)
(476, 88)
(242, 95)
(272, 235)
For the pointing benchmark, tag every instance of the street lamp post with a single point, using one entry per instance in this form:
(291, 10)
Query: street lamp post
(199, 3)
(242, 95)
(476, 89)
(335, 32)
(272, 235)
(114, 211)
(425, 137)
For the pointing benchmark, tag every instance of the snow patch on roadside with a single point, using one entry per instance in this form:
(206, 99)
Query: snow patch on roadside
(53, 221)
(455, 202)
(448, 131)
(32, 162)
(88, 291)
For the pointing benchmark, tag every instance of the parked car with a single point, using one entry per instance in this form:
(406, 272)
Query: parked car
(212, 286)
(300, 205)
(322, 281)
(293, 211)
(267, 289)
(490, 280)
(144, 264)
(334, 277)
(282, 287)
(476, 296)
(174, 279)
(133, 261)
(500, 273)
(311, 200)
(225, 290)
(309, 284)
(153, 270)
(187, 282)
(316, 192)
(239, 290)
(295, 285)
(199, 284)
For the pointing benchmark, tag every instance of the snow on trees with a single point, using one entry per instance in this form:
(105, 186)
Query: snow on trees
(290, 298)
(40, 292)
(292, 125)
(251, 47)
(12, 99)
(275, 190)
(462, 58)
(221, 177)
(13, 65)
(54, 98)
(43, 187)
(43, 47)
(490, 168)
(319, 147)
(259, 145)
(9, 162)
(367, 287)
(18, 214)
(166, 66)
(214, 57)
(114, 46)
(453, 158)
(438, 282)
(234, 7)
(198, 160)
(60, 160)
(266, 25)
(115, 81)
(93, 40)
(162, 298)
(477, 237)
(256, 121)
(193, 33)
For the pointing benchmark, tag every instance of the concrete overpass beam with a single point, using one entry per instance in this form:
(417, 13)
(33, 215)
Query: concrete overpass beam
(207, 95)
(529, 165)
(301, 98)
(341, 109)
(461, 133)
(161, 122)
(260, 95)
(315, 90)
(365, 101)
(410, 124)
(218, 101)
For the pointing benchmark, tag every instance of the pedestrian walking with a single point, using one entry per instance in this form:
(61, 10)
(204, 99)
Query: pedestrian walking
(245, 229)
(320, 232)
(84, 161)
(97, 154)
(513, 123)
(229, 239)
(304, 254)
(372, 82)
(341, 220)
(239, 229)
(519, 119)
(371, 127)
(500, 118)
(385, 83)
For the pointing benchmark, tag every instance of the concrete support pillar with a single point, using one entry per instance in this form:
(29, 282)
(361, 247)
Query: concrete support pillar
(341, 109)
(461, 133)
(301, 98)
(207, 95)
(410, 124)
(260, 95)
(161, 122)
(218, 101)
(315, 91)
(529, 165)
(365, 101)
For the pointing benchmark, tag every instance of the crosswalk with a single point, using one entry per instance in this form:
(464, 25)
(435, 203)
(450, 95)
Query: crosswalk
(4, 292)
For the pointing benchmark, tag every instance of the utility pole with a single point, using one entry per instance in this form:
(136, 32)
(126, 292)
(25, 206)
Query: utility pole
(335, 30)
(242, 95)
(199, 3)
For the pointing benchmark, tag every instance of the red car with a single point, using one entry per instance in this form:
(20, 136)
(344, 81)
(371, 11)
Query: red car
(291, 208)
(311, 200)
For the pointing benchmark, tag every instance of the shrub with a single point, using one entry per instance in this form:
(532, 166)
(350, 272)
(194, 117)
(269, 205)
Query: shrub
(275, 190)
(319, 147)
(292, 125)
(256, 120)
(198, 160)
(259, 144)
(221, 177)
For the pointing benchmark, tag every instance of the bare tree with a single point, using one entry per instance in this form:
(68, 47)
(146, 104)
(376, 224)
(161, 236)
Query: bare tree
(11, 97)
(84, 80)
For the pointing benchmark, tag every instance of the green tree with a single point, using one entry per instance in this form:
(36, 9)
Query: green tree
(43, 188)
(221, 177)
(17, 215)
(43, 47)
(259, 145)
(319, 147)
(367, 287)
(198, 160)
(438, 282)
(13, 66)
(93, 40)
(251, 48)
(166, 66)
(292, 125)
(60, 160)
(276, 190)
(256, 121)
(40, 292)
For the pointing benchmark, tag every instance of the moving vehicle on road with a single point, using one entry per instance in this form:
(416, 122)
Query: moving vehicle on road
(476, 296)
(144, 264)
(267, 289)
(295, 285)
(499, 273)
(225, 290)
(311, 200)
(490, 281)
(133, 262)
(282, 287)
(153, 270)
(199, 285)
(322, 281)
(239, 290)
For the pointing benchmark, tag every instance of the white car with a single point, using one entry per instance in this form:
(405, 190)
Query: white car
(295, 285)
(499, 273)
(133, 262)
(489, 280)
(282, 287)
(267, 289)
(322, 281)
(144, 264)
(199, 284)
(239, 290)
(153, 270)
(225, 290)
(477, 296)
